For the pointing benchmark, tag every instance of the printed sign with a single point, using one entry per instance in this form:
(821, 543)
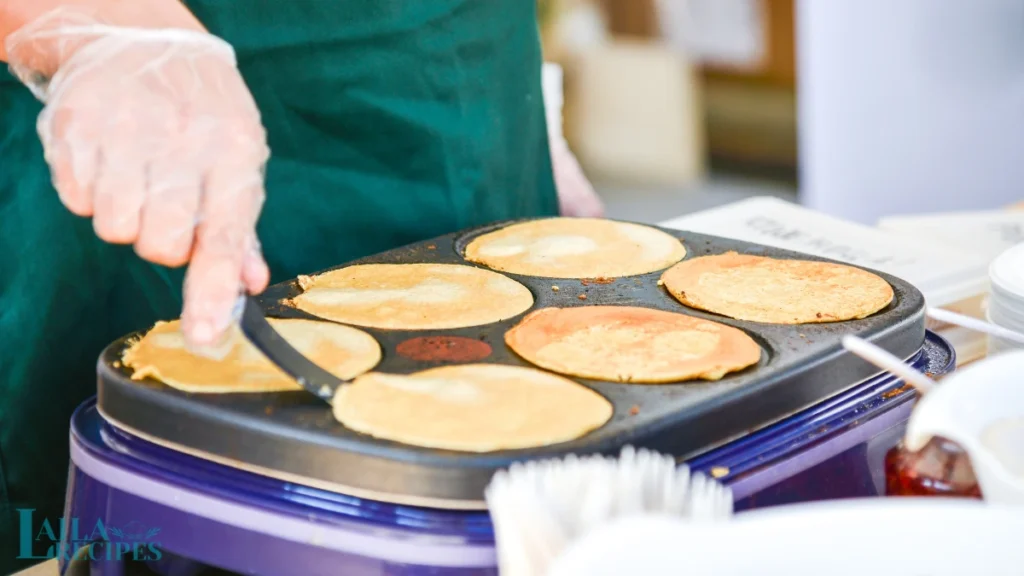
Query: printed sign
(943, 274)
(987, 234)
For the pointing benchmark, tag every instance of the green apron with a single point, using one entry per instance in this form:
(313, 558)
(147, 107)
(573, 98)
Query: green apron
(389, 121)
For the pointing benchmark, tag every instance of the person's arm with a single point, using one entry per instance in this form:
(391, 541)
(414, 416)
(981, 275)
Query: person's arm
(576, 196)
(149, 130)
(15, 14)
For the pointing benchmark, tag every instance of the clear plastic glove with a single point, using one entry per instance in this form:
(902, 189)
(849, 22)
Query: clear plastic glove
(576, 196)
(154, 134)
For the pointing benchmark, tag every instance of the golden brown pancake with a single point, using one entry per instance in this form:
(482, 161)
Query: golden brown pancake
(413, 296)
(343, 351)
(471, 408)
(631, 344)
(576, 248)
(777, 291)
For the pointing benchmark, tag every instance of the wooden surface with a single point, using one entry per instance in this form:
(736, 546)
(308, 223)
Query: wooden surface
(632, 18)
(48, 568)
(779, 65)
(639, 19)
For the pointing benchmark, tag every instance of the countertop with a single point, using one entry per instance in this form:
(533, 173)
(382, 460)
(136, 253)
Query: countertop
(652, 205)
(48, 568)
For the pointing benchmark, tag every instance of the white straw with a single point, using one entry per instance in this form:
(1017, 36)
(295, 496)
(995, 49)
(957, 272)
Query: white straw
(888, 362)
(975, 324)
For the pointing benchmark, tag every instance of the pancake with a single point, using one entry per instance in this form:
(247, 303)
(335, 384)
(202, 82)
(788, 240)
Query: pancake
(777, 291)
(630, 344)
(343, 351)
(471, 408)
(413, 296)
(576, 248)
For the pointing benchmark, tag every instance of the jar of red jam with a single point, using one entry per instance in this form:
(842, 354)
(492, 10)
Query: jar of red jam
(941, 468)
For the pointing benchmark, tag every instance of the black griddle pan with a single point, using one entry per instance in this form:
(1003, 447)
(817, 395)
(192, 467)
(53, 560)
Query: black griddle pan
(294, 437)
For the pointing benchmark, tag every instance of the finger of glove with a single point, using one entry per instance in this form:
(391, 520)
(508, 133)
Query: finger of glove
(120, 189)
(255, 272)
(231, 203)
(70, 146)
(170, 211)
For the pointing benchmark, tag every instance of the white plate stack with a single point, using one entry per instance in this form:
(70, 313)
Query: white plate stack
(1006, 302)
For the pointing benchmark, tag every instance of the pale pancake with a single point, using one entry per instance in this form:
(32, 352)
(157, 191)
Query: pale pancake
(576, 248)
(630, 344)
(471, 408)
(777, 291)
(413, 296)
(343, 351)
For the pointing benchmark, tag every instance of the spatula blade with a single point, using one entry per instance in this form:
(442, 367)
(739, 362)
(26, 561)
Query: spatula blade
(267, 340)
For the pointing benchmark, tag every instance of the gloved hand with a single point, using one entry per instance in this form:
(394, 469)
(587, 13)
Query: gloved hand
(153, 133)
(576, 196)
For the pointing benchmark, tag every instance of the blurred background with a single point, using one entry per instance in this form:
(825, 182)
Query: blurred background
(857, 108)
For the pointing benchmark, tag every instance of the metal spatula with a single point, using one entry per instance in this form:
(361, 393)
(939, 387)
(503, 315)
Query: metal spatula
(262, 335)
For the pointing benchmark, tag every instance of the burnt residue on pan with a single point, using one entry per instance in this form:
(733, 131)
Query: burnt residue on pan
(444, 349)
